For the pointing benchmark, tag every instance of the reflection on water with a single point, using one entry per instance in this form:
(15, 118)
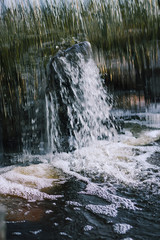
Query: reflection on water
(133, 105)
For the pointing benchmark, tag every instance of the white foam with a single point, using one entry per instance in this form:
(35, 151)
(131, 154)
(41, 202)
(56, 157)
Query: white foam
(75, 204)
(77, 208)
(128, 238)
(109, 163)
(15, 189)
(93, 189)
(154, 134)
(108, 210)
(117, 161)
(28, 182)
(56, 224)
(68, 219)
(17, 233)
(144, 138)
(88, 228)
(65, 234)
(36, 232)
(123, 161)
(121, 228)
(48, 211)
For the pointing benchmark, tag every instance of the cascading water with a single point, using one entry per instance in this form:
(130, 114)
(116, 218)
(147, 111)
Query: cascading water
(92, 176)
(77, 105)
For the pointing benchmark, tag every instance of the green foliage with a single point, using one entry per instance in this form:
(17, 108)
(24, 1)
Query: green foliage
(98, 21)
(119, 29)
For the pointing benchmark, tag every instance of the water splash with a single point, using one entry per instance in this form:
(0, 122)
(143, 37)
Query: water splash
(77, 105)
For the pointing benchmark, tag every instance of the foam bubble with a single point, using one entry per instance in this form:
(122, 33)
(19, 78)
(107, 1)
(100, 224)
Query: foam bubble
(102, 192)
(102, 166)
(144, 138)
(48, 211)
(123, 161)
(88, 228)
(75, 204)
(36, 232)
(128, 238)
(15, 189)
(108, 210)
(28, 182)
(65, 234)
(68, 219)
(121, 228)
(17, 233)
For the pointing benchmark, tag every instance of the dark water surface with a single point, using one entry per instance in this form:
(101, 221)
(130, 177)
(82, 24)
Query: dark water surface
(99, 203)
(69, 218)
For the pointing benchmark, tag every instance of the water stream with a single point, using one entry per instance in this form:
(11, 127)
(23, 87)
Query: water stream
(80, 120)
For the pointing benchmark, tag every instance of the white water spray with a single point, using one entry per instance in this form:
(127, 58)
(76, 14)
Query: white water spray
(76, 103)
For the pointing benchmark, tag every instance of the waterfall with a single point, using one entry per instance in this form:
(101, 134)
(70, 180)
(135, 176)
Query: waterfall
(77, 107)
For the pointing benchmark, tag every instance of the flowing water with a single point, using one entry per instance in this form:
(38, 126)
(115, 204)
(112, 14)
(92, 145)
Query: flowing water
(80, 125)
